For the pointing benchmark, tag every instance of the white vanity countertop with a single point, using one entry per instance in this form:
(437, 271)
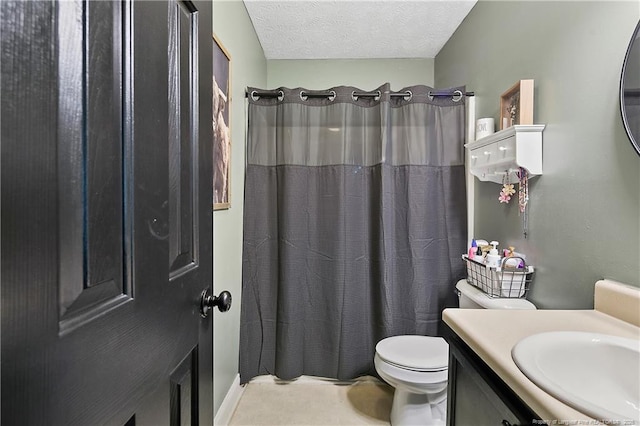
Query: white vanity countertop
(493, 333)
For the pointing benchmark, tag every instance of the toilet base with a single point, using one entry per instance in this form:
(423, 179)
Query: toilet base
(410, 409)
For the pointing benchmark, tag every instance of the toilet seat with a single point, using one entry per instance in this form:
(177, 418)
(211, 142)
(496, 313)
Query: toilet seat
(415, 353)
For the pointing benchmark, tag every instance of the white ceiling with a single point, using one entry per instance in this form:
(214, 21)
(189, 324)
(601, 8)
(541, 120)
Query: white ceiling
(355, 29)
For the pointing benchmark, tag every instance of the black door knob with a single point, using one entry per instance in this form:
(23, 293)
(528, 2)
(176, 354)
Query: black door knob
(208, 301)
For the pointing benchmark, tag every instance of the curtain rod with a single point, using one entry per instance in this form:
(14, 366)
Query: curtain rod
(329, 94)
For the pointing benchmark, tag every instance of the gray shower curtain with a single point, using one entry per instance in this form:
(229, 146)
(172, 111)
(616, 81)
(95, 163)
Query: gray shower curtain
(354, 223)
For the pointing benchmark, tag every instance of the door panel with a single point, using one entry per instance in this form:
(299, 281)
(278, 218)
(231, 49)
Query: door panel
(183, 388)
(90, 162)
(183, 139)
(106, 219)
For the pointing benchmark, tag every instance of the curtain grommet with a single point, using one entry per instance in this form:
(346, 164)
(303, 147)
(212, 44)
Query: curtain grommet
(376, 97)
(409, 94)
(457, 96)
(255, 96)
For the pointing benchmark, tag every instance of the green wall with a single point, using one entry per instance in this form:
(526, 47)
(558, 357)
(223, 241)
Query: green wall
(233, 28)
(366, 74)
(584, 214)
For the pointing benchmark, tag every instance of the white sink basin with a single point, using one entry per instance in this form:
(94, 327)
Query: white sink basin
(596, 374)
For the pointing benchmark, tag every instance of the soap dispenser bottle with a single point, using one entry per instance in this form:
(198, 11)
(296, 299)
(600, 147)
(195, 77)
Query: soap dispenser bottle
(493, 258)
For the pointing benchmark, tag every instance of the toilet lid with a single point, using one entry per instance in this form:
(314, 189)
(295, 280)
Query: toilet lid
(418, 353)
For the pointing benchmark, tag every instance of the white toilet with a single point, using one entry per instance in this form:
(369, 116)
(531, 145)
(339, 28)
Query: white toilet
(417, 366)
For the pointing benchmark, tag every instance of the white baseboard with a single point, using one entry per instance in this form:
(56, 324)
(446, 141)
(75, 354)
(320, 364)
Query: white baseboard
(229, 403)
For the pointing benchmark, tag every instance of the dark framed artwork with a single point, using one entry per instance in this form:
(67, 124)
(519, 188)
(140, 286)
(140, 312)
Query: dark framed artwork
(221, 126)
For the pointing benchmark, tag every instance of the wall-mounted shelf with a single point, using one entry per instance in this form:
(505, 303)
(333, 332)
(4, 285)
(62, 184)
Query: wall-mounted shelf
(505, 151)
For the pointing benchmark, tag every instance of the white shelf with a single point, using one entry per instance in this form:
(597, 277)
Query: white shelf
(505, 151)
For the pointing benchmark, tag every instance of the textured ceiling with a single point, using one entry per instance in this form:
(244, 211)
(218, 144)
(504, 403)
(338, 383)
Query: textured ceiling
(355, 29)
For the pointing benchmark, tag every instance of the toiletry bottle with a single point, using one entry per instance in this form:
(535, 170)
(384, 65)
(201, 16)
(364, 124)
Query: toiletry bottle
(473, 249)
(493, 258)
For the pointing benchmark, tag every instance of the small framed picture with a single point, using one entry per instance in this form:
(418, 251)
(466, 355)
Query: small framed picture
(221, 126)
(516, 104)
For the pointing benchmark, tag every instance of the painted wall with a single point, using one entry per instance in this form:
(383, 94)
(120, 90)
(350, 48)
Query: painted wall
(584, 214)
(233, 28)
(366, 74)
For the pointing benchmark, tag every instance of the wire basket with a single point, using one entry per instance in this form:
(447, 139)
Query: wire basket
(504, 282)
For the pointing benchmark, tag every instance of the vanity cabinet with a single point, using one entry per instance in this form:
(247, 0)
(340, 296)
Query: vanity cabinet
(476, 395)
(489, 158)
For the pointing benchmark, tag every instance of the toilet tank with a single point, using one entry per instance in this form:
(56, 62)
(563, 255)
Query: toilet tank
(471, 297)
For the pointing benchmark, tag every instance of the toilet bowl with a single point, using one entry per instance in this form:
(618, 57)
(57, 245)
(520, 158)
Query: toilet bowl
(417, 366)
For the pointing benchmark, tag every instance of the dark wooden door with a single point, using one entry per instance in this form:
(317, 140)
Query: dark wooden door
(106, 212)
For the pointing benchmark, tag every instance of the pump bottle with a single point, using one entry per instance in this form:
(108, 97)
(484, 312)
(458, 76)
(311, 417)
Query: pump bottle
(493, 258)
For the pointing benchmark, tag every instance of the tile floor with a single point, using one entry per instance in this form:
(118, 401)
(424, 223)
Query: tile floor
(314, 402)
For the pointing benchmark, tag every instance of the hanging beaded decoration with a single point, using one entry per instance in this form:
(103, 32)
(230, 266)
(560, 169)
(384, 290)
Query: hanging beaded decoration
(507, 189)
(523, 198)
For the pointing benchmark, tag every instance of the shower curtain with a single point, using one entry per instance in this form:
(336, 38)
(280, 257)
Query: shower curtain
(354, 223)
